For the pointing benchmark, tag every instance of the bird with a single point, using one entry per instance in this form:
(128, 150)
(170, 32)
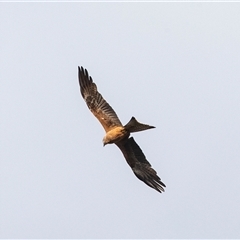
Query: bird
(118, 134)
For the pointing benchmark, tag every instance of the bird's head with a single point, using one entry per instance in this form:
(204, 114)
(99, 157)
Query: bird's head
(105, 141)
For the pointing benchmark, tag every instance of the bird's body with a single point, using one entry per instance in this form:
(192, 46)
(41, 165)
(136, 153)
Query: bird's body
(117, 133)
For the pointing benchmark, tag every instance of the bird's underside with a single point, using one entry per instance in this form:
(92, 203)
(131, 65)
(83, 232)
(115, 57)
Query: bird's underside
(117, 133)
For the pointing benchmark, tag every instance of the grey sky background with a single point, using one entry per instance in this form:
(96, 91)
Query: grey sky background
(171, 65)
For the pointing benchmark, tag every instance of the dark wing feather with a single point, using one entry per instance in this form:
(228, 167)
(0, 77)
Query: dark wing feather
(139, 164)
(95, 102)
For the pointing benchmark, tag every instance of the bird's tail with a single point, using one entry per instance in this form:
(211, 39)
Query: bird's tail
(134, 126)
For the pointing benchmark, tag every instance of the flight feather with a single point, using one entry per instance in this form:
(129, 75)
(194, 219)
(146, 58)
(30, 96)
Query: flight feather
(95, 102)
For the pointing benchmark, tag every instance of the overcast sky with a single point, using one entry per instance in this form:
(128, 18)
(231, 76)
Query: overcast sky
(172, 65)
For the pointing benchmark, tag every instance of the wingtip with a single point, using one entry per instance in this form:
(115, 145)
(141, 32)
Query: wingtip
(80, 69)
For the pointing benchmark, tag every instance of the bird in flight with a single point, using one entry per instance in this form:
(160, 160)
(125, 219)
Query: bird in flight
(117, 133)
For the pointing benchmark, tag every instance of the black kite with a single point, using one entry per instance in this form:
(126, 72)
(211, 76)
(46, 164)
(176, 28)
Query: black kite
(117, 133)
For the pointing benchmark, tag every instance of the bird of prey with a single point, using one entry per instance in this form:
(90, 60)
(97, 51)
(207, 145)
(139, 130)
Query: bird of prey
(117, 133)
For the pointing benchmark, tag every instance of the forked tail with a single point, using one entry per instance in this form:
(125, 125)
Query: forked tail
(134, 126)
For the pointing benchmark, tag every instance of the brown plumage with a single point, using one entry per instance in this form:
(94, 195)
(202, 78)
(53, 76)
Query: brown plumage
(117, 133)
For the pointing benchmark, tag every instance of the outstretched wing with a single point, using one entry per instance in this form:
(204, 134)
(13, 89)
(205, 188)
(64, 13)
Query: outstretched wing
(95, 102)
(139, 164)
